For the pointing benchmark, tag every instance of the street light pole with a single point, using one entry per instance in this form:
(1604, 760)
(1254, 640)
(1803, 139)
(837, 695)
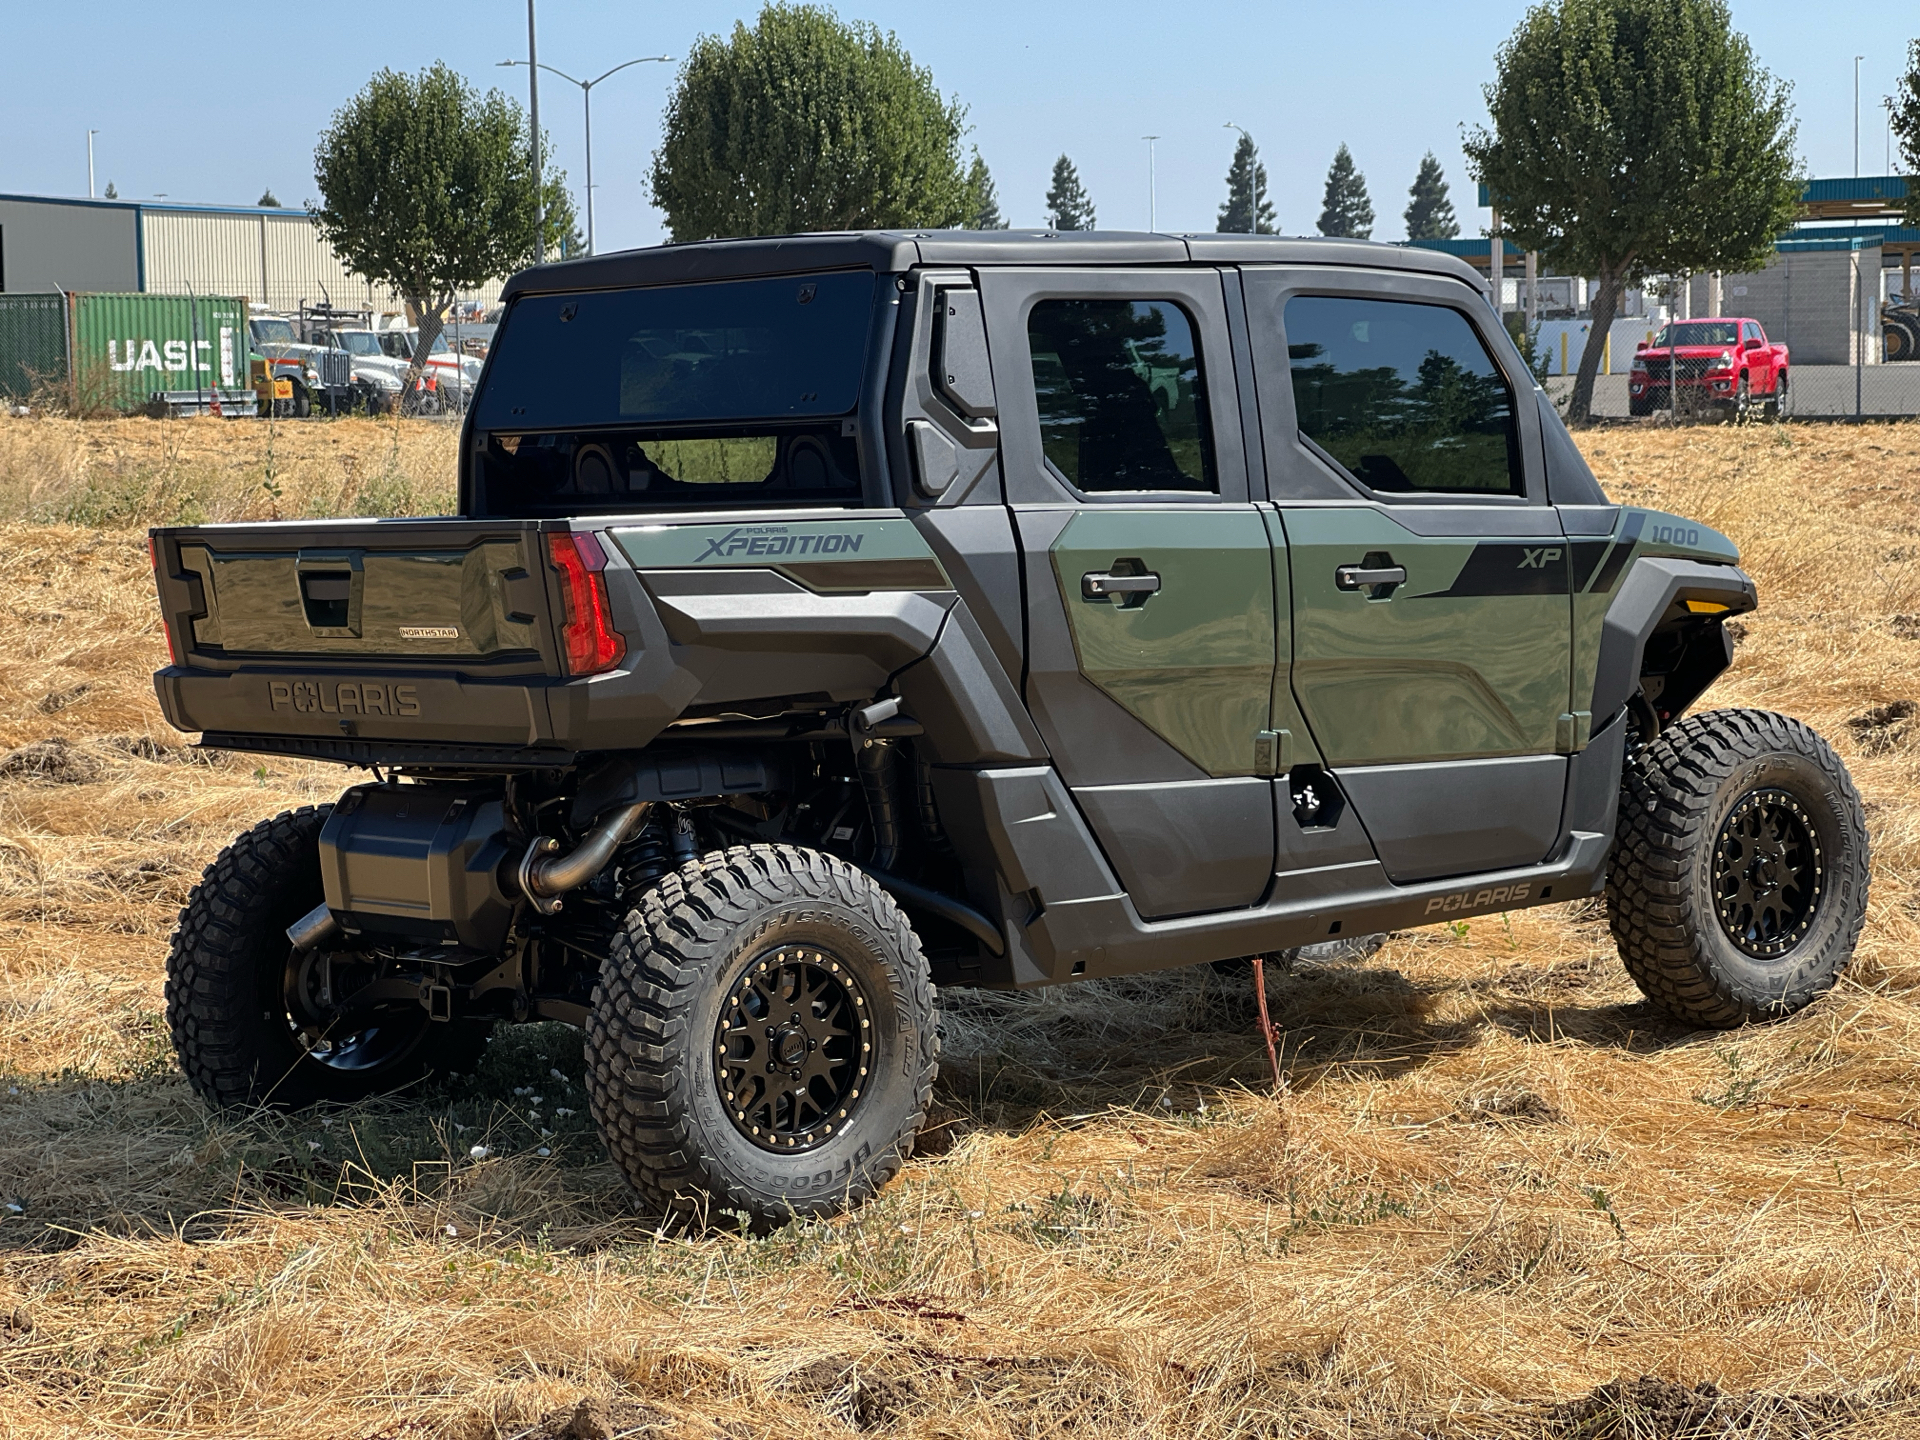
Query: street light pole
(533, 107)
(1153, 217)
(586, 98)
(92, 133)
(1856, 115)
(1253, 197)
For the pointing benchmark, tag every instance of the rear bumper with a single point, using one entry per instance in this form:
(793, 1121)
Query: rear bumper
(382, 705)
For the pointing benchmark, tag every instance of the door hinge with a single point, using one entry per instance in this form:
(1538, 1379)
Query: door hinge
(1571, 732)
(1272, 752)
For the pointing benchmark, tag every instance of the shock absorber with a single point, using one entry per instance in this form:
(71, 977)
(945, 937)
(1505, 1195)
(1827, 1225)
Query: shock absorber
(646, 859)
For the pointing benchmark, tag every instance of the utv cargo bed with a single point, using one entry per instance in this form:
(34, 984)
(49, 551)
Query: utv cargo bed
(435, 632)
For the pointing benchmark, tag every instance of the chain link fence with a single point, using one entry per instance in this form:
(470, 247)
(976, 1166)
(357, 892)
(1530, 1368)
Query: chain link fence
(1846, 310)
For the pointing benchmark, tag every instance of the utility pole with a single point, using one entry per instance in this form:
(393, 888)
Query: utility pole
(533, 108)
(92, 133)
(1153, 217)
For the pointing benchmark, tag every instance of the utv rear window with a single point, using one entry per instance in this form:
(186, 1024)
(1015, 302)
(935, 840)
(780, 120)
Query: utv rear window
(1404, 395)
(786, 348)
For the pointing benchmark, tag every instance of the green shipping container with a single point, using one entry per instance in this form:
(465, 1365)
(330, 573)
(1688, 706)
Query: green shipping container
(127, 348)
(33, 344)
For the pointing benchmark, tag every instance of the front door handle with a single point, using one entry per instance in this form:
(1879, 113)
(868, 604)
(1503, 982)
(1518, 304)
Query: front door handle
(1099, 584)
(1364, 577)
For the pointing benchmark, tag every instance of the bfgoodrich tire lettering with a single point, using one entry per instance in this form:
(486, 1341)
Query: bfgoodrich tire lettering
(1666, 897)
(665, 991)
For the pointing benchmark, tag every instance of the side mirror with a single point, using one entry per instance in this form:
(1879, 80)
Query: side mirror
(1638, 346)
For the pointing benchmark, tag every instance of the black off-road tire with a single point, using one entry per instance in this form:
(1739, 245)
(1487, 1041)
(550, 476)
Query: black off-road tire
(226, 978)
(1678, 858)
(674, 973)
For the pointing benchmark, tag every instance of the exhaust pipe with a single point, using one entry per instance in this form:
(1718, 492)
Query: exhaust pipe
(314, 929)
(544, 876)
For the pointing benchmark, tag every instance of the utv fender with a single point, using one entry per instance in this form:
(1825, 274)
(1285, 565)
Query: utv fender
(1649, 623)
(961, 695)
(748, 634)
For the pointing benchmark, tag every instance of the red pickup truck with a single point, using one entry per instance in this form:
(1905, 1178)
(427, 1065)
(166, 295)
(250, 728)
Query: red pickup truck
(1725, 364)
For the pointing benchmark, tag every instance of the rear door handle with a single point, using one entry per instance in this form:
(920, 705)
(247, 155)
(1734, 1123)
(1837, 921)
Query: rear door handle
(1098, 584)
(1356, 577)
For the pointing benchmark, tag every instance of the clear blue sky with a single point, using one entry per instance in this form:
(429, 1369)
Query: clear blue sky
(215, 107)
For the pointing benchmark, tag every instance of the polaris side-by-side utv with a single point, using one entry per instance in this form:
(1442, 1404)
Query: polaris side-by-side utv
(835, 617)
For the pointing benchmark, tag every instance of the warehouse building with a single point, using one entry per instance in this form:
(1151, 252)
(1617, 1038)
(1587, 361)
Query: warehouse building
(271, 256)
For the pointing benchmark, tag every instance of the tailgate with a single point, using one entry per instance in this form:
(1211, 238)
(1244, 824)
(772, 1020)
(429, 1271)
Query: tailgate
(394, 629)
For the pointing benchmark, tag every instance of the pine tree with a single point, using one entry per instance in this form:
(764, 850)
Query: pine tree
(1246, 194)
(1429, 211)
(112, 194)
(1346, 210)
(986, 200)
(267, 200)
(1069, 207)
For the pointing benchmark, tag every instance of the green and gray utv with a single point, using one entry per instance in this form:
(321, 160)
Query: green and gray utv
(833, 618)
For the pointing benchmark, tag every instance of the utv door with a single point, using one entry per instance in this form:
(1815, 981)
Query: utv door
(1150, 596)
(1432, 624)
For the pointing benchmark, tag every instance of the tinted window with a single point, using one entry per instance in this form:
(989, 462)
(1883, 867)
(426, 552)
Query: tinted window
(738, 350)
(1403, 395)
(1123, 401)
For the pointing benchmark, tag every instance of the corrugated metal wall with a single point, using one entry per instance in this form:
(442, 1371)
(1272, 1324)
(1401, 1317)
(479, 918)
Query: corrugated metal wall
(59, 245)
(277, 259)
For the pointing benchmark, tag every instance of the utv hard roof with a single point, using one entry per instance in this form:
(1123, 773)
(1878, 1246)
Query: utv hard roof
(895, 251)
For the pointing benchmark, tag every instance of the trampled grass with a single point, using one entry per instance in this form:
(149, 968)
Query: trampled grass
(1497, 1184)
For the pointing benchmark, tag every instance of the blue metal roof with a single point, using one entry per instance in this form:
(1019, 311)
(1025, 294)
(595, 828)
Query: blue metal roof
(1477, 248)
(194, 206)
(1858, 187)
(1854, 187)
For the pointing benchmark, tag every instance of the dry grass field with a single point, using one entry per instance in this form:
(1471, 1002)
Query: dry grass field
(1499, 1197)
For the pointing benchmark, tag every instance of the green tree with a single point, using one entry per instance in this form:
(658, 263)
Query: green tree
(1345, 209)
(1906, 127)
(1069, 207)
(267, 200)
(111, 193)
(1429, 211)
(986, 200)
(807, 122)
(1633, 137)
(427, 187)
(1247, 211)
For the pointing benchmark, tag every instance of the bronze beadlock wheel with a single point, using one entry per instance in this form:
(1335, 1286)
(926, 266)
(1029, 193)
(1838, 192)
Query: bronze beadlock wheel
(1767, 873)
(794, 1044)
(763, 1039)
(1737, 886)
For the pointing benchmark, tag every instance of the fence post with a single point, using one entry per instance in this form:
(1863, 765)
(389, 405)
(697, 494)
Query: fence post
(1859, 337)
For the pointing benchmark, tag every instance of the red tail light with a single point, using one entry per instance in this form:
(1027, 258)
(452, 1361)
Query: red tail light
(175, 644)
(587, 634)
